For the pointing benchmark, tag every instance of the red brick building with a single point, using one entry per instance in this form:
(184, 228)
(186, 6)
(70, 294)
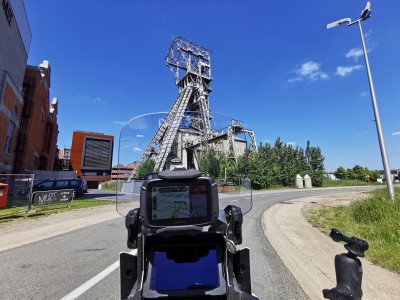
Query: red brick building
(10, 120)
(28, 122)
(91, 156)
(36, 146)
(15, 39)
(122, 172)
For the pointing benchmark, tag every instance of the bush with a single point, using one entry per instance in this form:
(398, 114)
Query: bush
(110, 186)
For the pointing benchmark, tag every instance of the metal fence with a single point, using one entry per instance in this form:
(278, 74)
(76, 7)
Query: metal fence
(19, 189)
(132, 186)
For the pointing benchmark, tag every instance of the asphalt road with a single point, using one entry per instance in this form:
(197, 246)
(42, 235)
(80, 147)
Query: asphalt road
(54, 268)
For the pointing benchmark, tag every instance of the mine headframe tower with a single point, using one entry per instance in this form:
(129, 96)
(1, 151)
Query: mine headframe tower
(191, 66)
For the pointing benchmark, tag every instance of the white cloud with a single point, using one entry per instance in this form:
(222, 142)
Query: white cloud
(309, 71)
(136, 149)
(396, 133)
(120, 123)
(323, 76)
(139, 135)
(355, 53)
(343, 71)
(308, 68)
(367, 34)
(90, 99)
(363, 94)
(291, 144)
(290, 80)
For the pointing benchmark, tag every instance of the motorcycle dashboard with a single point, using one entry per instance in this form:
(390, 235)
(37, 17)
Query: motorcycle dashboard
(178, 203)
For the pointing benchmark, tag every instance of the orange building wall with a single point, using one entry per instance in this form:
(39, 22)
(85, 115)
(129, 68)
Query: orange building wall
(77, 149)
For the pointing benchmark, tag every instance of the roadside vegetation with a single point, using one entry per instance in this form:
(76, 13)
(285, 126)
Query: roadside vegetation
(375, 219)
(342, 183)
(272, 166)
(10, 214)
(109, 186)
(355, 176)
(357, 173)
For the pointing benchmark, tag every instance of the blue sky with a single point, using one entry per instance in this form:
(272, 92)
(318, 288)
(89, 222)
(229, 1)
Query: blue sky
(275, 66)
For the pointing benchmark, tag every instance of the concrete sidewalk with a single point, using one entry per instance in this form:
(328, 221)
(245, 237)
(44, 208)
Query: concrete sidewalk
(21, 232)
(309, 254)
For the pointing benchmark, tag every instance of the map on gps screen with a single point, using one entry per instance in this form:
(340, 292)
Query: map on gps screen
(175, 202)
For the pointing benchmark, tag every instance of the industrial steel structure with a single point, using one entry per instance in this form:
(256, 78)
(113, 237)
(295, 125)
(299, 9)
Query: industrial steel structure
(189, 116)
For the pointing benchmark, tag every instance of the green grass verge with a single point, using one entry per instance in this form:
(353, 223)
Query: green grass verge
(375, 219)
(111, 186)
(340, 183)
(10, 214)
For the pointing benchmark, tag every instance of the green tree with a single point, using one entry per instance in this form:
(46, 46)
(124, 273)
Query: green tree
(223, 163)
(315, 161)
(268, 169)
(359, 173)
(367, 171)
(375, 175)
(286, 163)
(204, 165)
(214, 163)
(146, 167)
(278, 165)
(350, 174)
(231, 172)
(340, 173)
(209, 164)
(244, 165)
(256, 175)
(302, 166)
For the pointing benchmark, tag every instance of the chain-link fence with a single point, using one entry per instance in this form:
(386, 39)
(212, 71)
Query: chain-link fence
(19, 189)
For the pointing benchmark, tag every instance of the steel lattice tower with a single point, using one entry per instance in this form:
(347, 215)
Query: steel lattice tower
(191, 66)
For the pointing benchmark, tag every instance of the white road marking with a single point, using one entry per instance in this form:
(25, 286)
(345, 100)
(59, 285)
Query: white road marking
(91, 282)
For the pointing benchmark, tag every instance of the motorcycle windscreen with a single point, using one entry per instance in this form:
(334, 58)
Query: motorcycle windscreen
(216, 145)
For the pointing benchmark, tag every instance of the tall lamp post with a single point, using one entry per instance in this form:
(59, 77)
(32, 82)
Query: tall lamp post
(365, 14)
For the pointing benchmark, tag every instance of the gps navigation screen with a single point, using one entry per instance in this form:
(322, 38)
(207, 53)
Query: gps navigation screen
(179, 202)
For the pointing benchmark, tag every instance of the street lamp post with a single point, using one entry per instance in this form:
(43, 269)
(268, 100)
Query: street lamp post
(365, 14)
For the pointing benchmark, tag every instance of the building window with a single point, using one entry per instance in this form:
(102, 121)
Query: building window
(9, 138)
(97, 154)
